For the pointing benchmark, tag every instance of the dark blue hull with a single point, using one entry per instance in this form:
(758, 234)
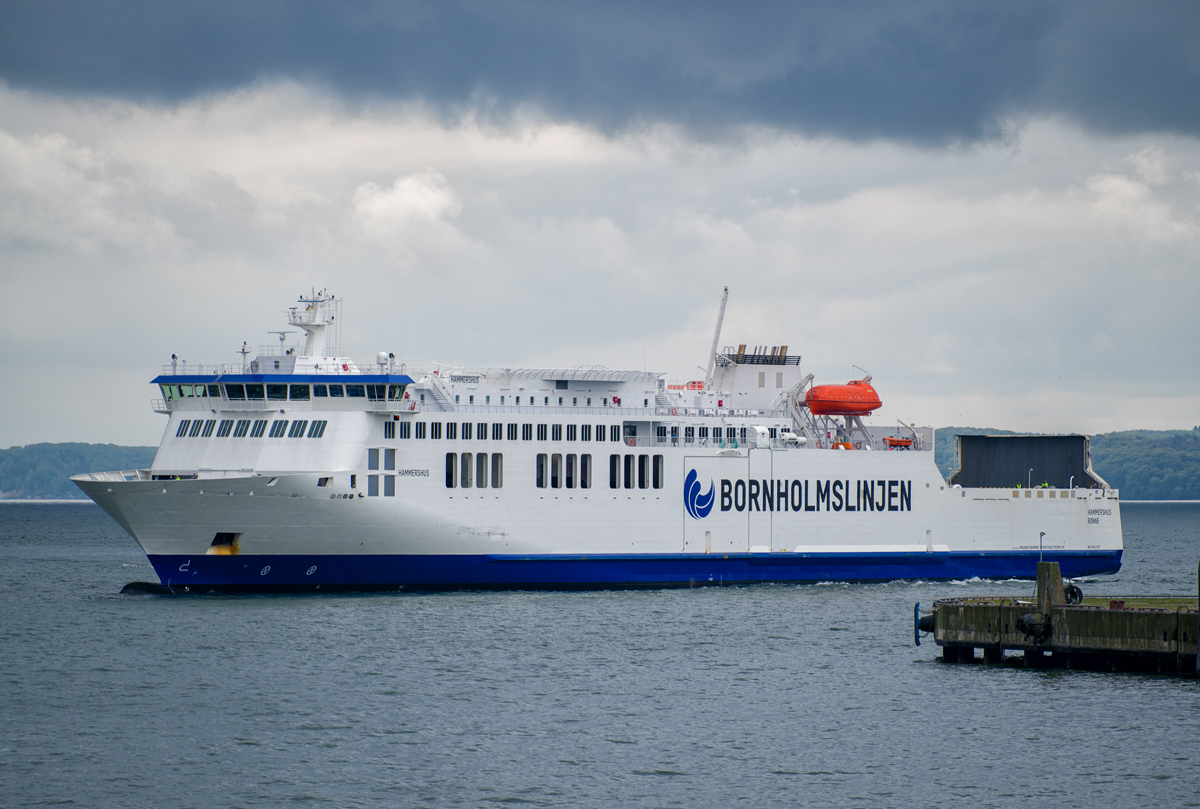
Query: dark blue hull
(419, 572)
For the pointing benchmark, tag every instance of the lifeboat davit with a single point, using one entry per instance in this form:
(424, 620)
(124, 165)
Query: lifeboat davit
(856, 398)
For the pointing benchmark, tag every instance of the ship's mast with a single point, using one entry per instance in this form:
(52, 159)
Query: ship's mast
(712, 354)
(314, 315)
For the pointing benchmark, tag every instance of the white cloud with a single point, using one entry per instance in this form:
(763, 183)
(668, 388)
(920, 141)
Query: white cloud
(1013, 286)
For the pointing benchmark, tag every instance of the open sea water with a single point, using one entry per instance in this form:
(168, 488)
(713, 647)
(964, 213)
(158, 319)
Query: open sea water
(778, 695)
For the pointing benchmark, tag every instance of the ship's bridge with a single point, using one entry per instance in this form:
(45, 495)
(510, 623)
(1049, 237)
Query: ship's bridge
(374, 392)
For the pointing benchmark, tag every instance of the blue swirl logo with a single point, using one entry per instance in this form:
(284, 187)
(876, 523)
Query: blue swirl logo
(697, 504)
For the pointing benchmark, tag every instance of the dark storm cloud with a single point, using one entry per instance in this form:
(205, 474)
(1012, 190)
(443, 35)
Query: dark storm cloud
(928, 72)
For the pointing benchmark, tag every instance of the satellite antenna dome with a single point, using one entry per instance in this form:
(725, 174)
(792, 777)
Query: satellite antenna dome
(381, 358)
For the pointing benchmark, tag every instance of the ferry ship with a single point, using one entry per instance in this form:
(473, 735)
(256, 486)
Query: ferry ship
(301, 470)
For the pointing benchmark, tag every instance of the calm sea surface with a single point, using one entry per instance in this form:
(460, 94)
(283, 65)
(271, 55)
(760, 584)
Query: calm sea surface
(760, 696)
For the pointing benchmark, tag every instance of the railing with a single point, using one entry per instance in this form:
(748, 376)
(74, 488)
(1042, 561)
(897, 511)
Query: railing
(278, 350)
(191, 369)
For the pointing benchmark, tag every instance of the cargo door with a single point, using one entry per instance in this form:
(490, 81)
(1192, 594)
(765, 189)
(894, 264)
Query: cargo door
(713, 489)
(760, 499)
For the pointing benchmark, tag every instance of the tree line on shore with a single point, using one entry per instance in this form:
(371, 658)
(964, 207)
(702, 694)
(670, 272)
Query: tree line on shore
(1143, 464)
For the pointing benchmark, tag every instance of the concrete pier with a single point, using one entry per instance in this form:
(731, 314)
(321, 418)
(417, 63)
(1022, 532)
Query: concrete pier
(1057, 628)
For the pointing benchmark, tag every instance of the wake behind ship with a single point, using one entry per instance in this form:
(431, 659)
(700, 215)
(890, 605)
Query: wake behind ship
(302, 471)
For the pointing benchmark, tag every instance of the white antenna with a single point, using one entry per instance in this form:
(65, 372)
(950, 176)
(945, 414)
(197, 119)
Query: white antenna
(244, 351)
(866, 378)
(712, 354)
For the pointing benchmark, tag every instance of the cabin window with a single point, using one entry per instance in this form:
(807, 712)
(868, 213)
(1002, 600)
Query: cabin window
(255, 392)
(589, 404)
(731, 433)
(571, 432)
(456, 398)
(372, 485)
(501, 400)
(497, 432)
(465, 478)
(600, 432)
(354, 481)
(389, 430)
(183, 428)
(389, 460)
(614, 471)
(643, 471)
(540, 474)
(298, 393)
(560, 401)
(420, 430)
(278, 428)
(323, 482)
(773, 432)
(743, 434)
(335, 392)
(208, 428)
(405, 429)
(689, 435)
(451, 470)
(661, 432)
(497, 470)
(762, 379)
(243, 426)
(373, 460)
(356, 391)
(320, 392)
(317, 429)
(546, 400)
(225, 428)
(556, 471)
(395, 392)
(471, 399)
(277, 393)
(585, 432)
(481, 431)
(298, 428)
(512, 432)
(235, 392)
(779, 379)
(197, 426)
(435, 431)
(260, 427)
(451, 431)
(629, 461)
(389, 485)
(585, 471)
(487, 400)
(560, 384)
(571, 471)
(658, 471)
(526, 432)
(703, 433)
(541, 432)
(614, 432)
(466, 431)
(556, 432)
(481, 470)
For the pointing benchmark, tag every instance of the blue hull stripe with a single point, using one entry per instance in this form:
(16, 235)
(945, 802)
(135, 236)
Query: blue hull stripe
(267, 573)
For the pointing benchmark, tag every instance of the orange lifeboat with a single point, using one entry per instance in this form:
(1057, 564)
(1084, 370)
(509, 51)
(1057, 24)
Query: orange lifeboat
(856, 398)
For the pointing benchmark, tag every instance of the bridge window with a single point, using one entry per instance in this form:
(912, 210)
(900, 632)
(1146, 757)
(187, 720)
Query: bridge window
(298, 428)
(278, 428)
(235, 392)
(183, 428)
(395, 392)
(260, 427)
(298, 393)
(585, 471)
(243, 426)
(497, 470)
(320, 392)
(255, 392)
(376, 392)
(451, 470)
(277, 393)
(335, 392)
(225, 428)
(356, 391)
(317, 429)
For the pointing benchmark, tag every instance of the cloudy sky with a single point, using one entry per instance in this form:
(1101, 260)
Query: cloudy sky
(992, 207)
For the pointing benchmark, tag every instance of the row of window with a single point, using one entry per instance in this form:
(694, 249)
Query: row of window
(498, 432)
(282, 393)
(643, 471)
(465, 472)
(200, 428)
(532, 400)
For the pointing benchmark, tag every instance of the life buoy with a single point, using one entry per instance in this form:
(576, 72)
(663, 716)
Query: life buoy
(818, 445)
(632, 441)
(858, 445)
(674, 412)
